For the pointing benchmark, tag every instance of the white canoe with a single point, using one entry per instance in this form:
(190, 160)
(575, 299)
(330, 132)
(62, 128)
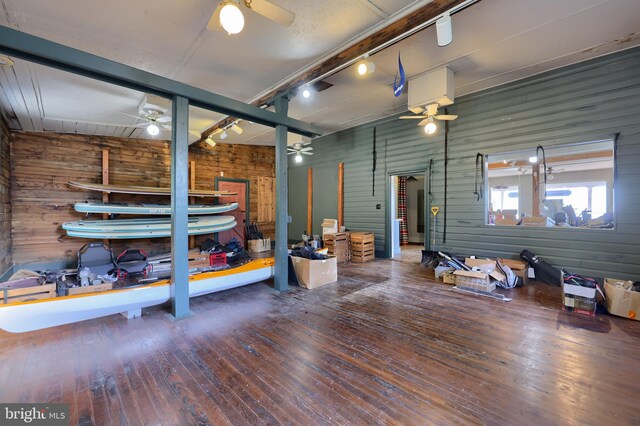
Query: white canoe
(144, 208)
(21, 317)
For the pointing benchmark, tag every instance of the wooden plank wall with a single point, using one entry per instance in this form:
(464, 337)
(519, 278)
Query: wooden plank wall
(5, 198)
(43, 163)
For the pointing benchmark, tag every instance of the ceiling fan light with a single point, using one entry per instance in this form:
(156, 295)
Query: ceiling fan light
(153, 129)
(430, 128)
(231, 18)
(298, 158)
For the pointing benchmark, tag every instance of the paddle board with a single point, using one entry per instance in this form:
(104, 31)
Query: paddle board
(160, 209)
(146, 190)
(146, 224)
(108, 234)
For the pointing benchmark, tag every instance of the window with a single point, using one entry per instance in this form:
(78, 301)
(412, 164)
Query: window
(578, 192)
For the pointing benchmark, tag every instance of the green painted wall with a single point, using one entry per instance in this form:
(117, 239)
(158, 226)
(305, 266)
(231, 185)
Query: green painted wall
(588, 101)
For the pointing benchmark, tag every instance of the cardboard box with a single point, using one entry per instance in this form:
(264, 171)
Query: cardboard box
(579, 299)
(620, 300)
(524, 275)
(449, 278)
(515, 265)
(474, 280)
(315, 273)
(258, 246)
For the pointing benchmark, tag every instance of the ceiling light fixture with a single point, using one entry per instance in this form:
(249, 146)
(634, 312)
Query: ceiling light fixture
(210, 142)
(430, 128)
(5, 61)
(153, 129)
(298, 158)
(231, 17)
(223, 135)
(237, 129)
(444, 30)
(365, 66)
(306, 93)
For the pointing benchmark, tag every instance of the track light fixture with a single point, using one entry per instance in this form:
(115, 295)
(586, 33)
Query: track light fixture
(444, 30)
(153, 129)
(223, 135)
(231, 17)
(306, 92)
(365, 66)
(236, 129)
(210, 142)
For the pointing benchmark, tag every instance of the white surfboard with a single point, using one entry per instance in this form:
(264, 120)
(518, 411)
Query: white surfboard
(107, 234)
(145, 224)
(159, 209)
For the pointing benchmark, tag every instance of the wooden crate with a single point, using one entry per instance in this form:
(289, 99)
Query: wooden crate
(97, 288)
(11, 295)
(362, 257)
(362, 237)
(362, 251)
(198, 259)
(338, 245)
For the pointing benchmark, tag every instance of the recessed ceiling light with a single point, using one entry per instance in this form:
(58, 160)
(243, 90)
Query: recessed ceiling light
(5, 61)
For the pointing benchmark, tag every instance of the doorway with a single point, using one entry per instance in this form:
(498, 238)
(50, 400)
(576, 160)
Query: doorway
(407, 215)
(241, 214)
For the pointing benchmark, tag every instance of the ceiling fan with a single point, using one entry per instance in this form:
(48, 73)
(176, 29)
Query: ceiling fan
(229, 17)
(428, 116)
(154, 119)
(299, 151)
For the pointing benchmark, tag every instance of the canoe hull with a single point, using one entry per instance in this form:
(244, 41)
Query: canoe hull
(36, 315)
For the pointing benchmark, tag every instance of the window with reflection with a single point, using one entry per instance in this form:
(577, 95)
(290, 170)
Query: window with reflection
(578, 192)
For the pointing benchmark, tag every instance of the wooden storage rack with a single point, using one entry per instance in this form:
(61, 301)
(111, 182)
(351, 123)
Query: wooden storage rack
(362, 247)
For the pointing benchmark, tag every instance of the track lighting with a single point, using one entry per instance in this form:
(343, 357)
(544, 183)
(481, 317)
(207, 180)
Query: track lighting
(306, 93)
(365, 66)
(152, 129)
(223, 135)
(210, 142)
(236, 129)
(430, 128)
(444, 30)
(231, 18)
(298, 158)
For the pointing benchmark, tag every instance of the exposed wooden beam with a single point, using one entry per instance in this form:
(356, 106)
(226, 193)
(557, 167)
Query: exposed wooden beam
(385, 35)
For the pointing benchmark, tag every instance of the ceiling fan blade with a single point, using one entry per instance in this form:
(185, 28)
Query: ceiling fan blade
(432, 109)
(134, 116)
(164, 119)
(306, 149)
(409, 117)
(271, 11)
(445, 117)
(424, 122)
(291, 152)
(214, 22)
(306, 153)
(416, 110)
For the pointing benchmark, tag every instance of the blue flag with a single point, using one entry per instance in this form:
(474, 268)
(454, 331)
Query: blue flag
(398, 86)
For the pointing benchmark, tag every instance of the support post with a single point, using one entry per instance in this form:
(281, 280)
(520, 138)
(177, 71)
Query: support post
(281, 279)
(340, 195)
(179, 201)
(310, 201)
(535, 193)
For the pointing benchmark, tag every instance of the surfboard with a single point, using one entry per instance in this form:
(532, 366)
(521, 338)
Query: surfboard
(146, 190)
(146, 224)
(109, 234)
(159, 209)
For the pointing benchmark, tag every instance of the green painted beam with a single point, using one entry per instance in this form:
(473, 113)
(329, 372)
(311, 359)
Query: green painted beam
(35, 49)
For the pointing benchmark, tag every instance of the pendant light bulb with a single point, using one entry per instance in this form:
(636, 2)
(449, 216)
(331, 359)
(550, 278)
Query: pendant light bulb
(430, 128)
(231, 18)
(152, 129)
(298, 158)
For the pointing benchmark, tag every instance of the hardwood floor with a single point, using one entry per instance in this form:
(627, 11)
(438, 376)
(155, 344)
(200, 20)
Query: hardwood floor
(382, 346)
